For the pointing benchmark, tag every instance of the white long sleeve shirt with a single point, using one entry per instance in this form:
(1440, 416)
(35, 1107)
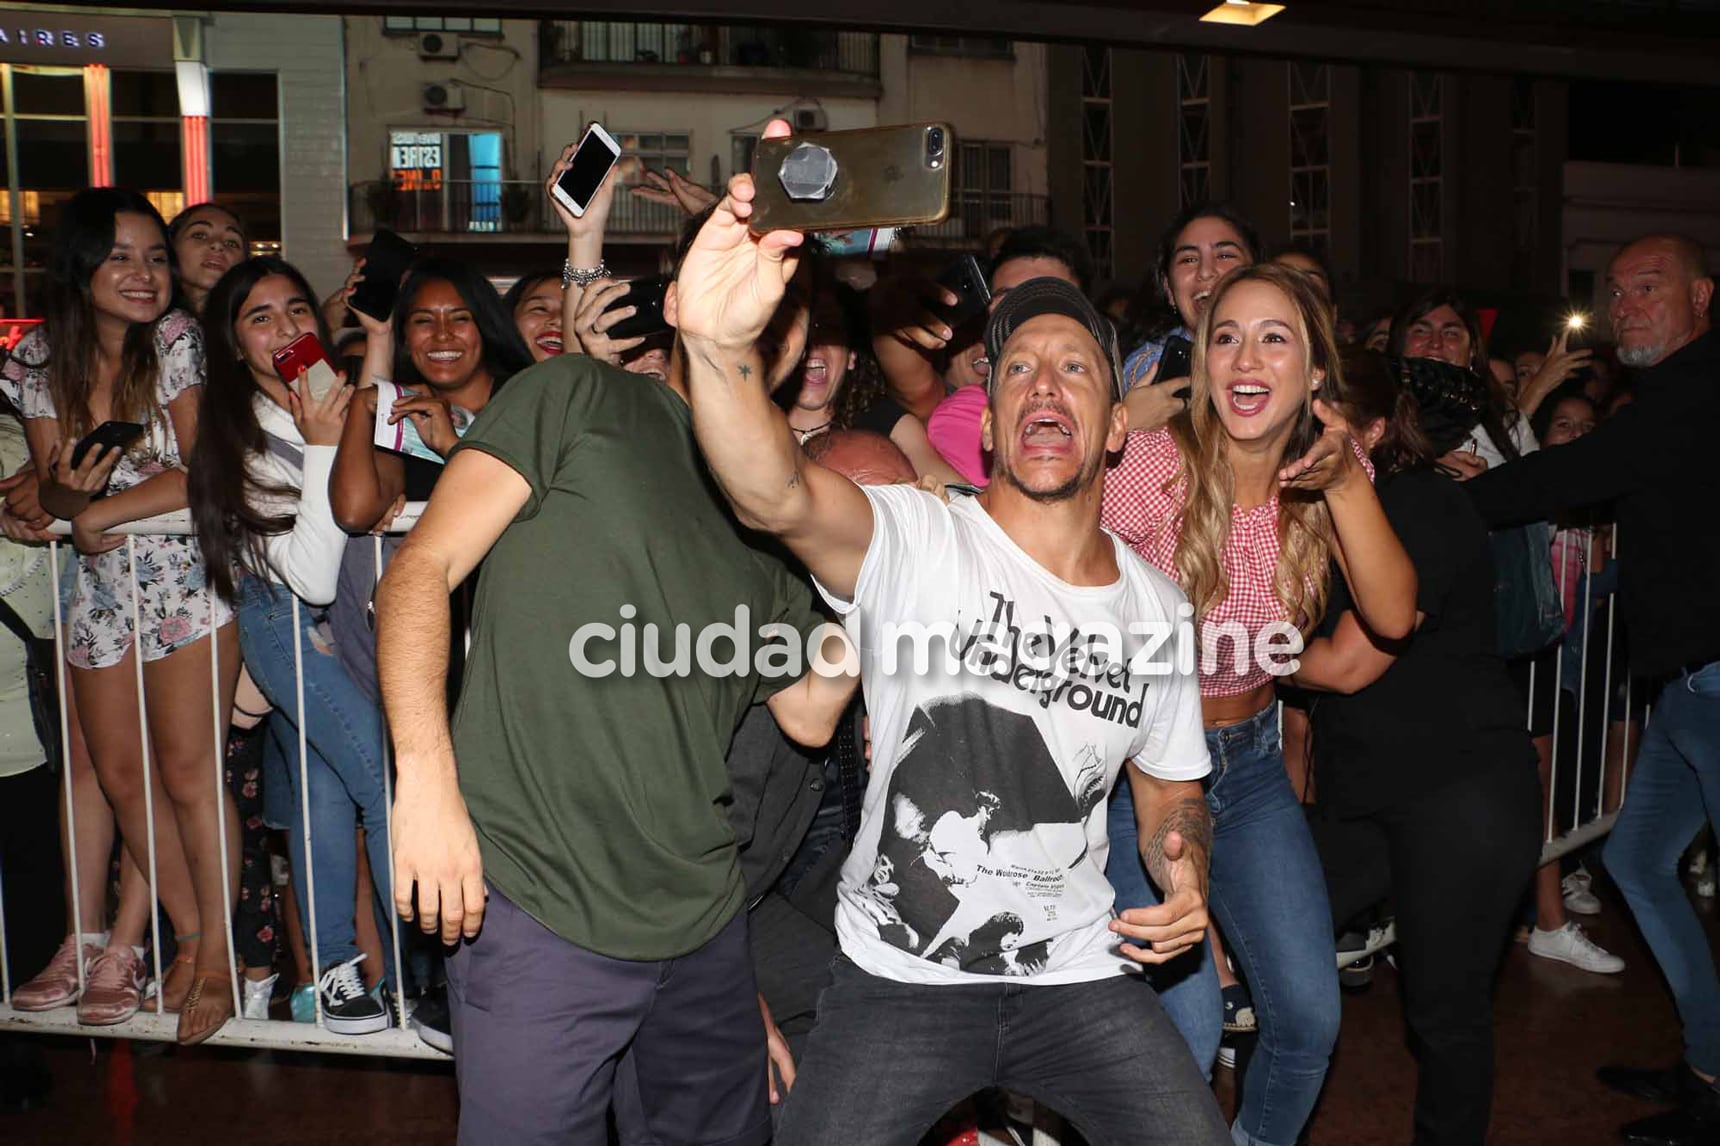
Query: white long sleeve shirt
(306, 558)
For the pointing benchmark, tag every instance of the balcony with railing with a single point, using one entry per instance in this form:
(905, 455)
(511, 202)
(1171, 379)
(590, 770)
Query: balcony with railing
(474, 209)
(976, 215)
(707, 58)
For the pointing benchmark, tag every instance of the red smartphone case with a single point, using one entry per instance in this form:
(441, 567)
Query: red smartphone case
(298, 356)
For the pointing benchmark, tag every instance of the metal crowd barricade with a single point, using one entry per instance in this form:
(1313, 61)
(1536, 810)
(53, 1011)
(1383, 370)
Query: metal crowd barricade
(398, 1041)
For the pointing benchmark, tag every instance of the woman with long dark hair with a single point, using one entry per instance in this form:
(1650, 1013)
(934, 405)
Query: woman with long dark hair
(260, 498)
(114, 349)
(1204, 243)
(1417, 743)
(535, 302)
(207, 240)
(1246, 501)
(453, 341)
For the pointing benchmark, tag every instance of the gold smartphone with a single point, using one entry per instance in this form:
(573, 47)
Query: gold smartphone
(846, 180)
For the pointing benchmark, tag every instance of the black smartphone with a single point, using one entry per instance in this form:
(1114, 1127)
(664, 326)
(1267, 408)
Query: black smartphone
(647, 295)
(965, 279)
(386, 261)
(108, 435)
(1177, 361)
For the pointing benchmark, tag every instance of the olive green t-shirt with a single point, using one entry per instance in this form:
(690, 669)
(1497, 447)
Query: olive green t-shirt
(599, 800)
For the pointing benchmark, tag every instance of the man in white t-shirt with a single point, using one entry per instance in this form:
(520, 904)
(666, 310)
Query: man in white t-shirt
(1015, 657)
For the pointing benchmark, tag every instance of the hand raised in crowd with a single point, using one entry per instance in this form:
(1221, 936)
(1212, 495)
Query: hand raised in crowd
(1462, 465)
(374, 328)
(335, 307)
(436, 855)
(779, 1063)
(432, 416)
(1331, 462)
(23, 506)
(590, 321)
(732, 280)
(1160, 934)
(1150, 403)
(596, 215)
(1561, 364)
(672, 189)
(320, 420)
(903, 309)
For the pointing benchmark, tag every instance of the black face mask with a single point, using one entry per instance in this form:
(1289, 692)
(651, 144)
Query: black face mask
(1449, 399)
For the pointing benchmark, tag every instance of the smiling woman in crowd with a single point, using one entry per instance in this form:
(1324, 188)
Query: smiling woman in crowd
(1246, 500)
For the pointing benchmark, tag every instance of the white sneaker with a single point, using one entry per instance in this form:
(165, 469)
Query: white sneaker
(1578, 897)
(1569, 945)
(257, 994)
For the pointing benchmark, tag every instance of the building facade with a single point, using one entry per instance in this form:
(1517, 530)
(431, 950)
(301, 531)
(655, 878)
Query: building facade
(182, 108)
(454, 122)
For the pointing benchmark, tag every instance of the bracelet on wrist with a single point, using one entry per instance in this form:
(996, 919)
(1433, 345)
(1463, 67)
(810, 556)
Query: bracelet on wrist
(582, 276)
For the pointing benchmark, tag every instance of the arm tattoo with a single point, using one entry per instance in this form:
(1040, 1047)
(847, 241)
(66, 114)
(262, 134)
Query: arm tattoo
(1188, 817)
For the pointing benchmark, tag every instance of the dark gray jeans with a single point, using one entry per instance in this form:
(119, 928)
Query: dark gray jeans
(886, 1060)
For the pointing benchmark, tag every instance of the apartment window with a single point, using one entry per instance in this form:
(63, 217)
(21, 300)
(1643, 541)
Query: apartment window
(654, 151)
(461, 25)
(245, 151)
(145, 120)
(1426, 178)
(1523, 180)
(1310, 155)
(442, 181)
(983, 184)
(1096, 194)
(1194, 137)
(992, 46)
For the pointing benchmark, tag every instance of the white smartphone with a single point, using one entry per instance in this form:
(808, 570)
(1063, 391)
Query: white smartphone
(592, 161)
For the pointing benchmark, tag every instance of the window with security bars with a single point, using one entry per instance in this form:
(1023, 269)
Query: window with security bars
(1426, 177)
(652, 151)
(459, 25)
(983, 182)
(1194, 137)
(998, 47)
(1524, 183)
(1310, 155)
(1096, 198)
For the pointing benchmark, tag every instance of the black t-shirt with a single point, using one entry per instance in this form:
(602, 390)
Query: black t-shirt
(1446, 707)
(880, 417)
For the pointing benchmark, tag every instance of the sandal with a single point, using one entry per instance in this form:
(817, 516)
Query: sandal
(205, 1004)
(168, 996)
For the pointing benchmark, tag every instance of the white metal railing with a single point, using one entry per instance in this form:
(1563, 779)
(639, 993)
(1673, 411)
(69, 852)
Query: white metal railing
(1559, 839)
(398, 1041)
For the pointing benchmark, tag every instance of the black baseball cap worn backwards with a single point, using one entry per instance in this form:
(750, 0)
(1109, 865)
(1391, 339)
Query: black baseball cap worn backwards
(1042, 296)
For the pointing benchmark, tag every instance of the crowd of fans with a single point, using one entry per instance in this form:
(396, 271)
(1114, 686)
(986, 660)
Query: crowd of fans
(1248, 448)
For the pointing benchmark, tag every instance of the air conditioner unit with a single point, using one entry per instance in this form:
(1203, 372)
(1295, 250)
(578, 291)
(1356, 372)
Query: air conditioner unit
(811, 119)
(438, 46)
(447, 97)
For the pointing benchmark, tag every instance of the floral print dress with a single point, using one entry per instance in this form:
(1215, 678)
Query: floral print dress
(175, 603)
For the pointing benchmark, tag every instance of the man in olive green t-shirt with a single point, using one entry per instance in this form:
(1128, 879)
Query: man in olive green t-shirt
(590, 790)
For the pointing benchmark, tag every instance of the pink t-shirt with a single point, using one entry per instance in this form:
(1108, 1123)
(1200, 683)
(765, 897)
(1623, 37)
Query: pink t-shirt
(954, 431)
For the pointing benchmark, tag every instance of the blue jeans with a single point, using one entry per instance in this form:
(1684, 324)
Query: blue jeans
(1674, 790)
(1269, 897)
(343, 766)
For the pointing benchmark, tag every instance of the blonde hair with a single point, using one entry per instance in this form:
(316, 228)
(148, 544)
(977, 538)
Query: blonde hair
(1301, 580)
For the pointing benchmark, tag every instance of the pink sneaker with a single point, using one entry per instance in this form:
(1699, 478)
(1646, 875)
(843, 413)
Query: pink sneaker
(57, 985)
(113, 988)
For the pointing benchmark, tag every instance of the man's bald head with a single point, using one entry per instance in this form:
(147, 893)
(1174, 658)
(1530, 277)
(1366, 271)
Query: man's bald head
(863, 457)
(1658, 296)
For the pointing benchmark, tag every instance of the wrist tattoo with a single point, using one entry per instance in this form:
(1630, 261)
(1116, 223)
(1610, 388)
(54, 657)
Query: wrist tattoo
(1189, 818)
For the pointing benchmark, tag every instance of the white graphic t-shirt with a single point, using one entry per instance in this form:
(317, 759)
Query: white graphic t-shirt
(982, 847)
